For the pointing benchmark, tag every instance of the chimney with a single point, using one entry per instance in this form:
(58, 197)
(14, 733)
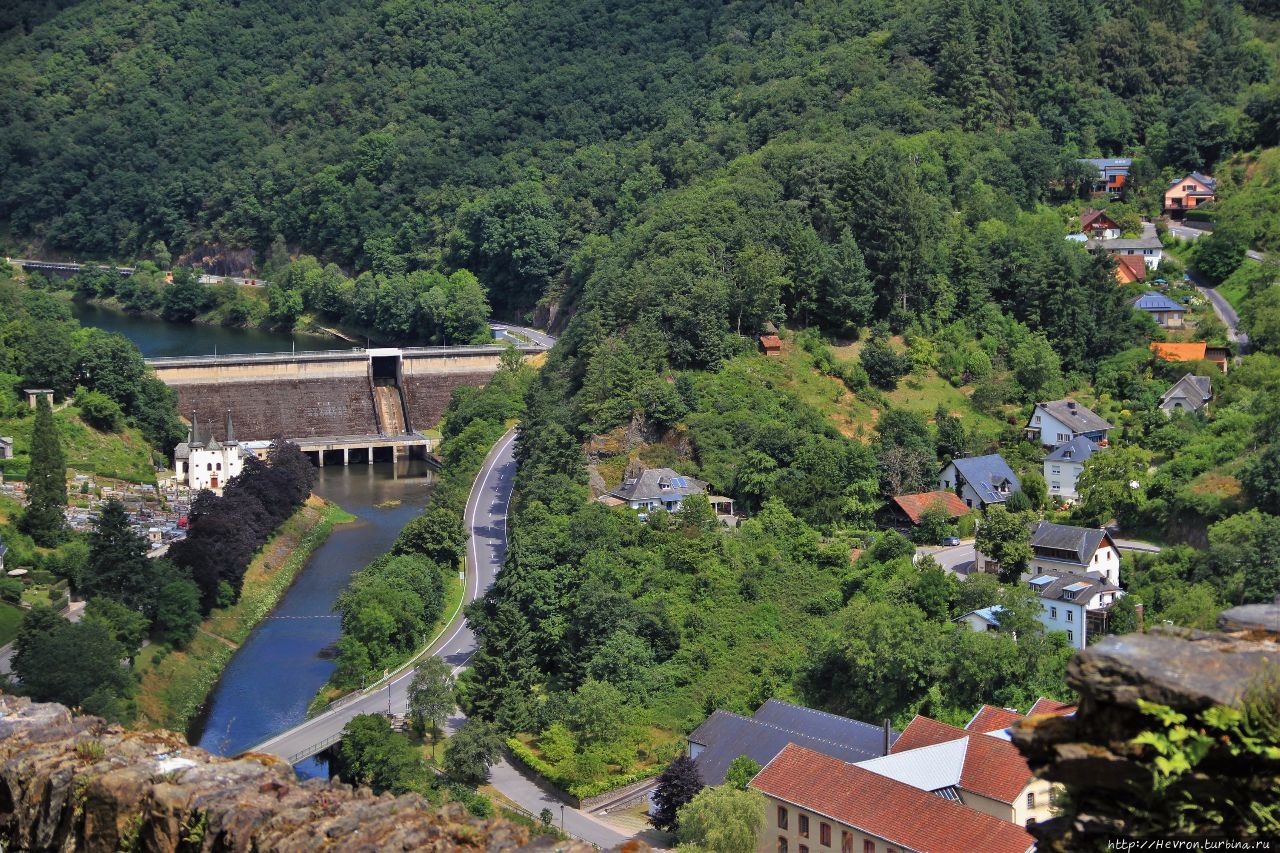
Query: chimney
(1071, 404)
(888, 731)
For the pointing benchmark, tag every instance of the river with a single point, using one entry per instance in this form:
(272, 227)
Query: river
(273, 677)
(285, 661)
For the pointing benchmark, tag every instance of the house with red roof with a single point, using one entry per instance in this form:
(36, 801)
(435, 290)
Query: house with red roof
(977, 766)
(818, 803)
(910, 509)
(1099, 226)
(1130, 268)
(1192, 351)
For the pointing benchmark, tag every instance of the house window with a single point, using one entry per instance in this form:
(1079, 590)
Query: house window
(1031, 800)
(868, 847)
(782, 817)
(846, 841)
(1053, 613)
(1070, 615)
(1055, 469)
(1036, 420)
(782, 844)
(1057, 486)
(804, 825)
(1071, 637)
(824, 834)
(803, 849)
(1063, 436)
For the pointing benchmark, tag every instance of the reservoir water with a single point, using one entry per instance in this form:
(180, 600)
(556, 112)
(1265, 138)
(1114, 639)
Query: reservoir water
(285, 661)
(157, 338)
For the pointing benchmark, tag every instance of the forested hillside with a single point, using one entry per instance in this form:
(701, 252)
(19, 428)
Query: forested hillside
(511, 138)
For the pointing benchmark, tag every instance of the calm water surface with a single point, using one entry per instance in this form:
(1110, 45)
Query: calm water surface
(273, 677)
(156, 338)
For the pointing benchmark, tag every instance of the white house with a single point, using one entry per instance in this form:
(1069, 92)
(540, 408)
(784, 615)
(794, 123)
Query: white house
(981, 621)
(657, 488)
(1063, 466)
(1189, 394)
(1058, 421)
(1074, 604)
(979, 480)
(1148, 246)
(1057, 548)
(203, 462)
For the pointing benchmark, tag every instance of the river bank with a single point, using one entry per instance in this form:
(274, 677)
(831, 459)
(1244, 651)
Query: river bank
(175, 684)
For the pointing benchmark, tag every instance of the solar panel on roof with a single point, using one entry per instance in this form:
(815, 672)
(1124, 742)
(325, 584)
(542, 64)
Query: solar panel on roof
(1043, 579)
(678, 482)
(1076, 587)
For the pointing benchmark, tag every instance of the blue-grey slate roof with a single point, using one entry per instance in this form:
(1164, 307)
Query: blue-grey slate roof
(984, 474)
(1077, 449)
(1152, 301)
(1107, 162)
(725, 735)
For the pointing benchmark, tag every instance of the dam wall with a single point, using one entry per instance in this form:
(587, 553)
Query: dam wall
(332, 393)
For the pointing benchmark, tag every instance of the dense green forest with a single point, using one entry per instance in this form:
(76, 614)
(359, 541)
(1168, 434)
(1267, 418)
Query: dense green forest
(513, 139)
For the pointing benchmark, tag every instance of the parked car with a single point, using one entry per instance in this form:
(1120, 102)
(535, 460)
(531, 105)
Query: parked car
(951, 540)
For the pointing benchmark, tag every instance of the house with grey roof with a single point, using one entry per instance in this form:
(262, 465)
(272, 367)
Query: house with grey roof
(6, 447)
(1167, 313)
(657, 488)
(1112, 172)
(1147, 246)
(979, 480)
(1057, 421)
(1077, 605)
(1189, 394)
(1064, 465)
(1076, 550)
(724, 736)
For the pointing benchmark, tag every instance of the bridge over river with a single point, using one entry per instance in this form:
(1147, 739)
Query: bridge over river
(341, 406)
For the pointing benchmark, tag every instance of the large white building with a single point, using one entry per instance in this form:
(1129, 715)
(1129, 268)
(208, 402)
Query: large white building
(203, 462)
(1077, 550)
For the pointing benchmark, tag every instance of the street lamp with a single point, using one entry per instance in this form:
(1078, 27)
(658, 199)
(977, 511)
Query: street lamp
(562, 817)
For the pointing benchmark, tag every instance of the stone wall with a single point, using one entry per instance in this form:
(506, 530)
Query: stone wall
(428, 394)
(78, 784)
(1106, 754)
(291, 408)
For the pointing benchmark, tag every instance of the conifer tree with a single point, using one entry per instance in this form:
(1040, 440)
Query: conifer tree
(118, 567)
(46, 481)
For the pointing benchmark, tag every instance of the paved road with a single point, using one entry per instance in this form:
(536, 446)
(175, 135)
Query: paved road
(1182, 232)
(486, 518)
(532, 335)
(956, 559)
(1223, 309)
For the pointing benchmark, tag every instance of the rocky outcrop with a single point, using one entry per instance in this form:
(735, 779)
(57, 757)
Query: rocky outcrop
(77, 783)
(1106, 754)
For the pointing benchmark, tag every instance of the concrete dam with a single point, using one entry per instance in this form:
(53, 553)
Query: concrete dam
(341, 406)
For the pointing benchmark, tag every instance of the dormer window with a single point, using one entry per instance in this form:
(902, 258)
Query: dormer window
(1068, 595)
(1067, 454)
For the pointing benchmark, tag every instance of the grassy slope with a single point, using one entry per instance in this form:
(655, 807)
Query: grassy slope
(172, 690)
(123, 455)
(10, 616)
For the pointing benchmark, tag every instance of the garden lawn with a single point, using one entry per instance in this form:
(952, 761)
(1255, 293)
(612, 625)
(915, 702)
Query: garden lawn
(10, 617)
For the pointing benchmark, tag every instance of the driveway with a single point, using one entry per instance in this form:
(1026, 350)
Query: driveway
(954, 559)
